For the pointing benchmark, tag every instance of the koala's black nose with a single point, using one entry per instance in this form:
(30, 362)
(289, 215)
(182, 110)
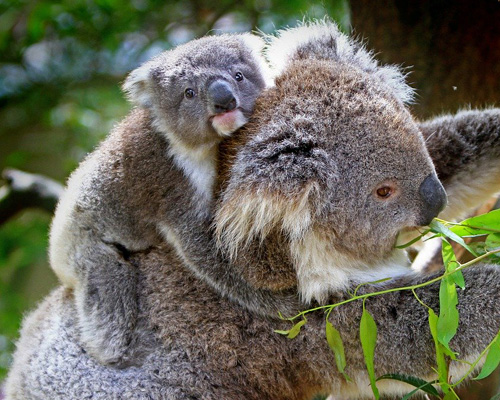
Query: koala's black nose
(433, 197)
(221, 96)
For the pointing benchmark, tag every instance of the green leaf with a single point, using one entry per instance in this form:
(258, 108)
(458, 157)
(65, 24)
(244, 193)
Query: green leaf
(479, 225)
(419, 383)
(296, 329)
(496, 397)
(281, 332)
(492, 359)
(412, 241)
(409, 395)
(492, 242)
(447, 323)
(337, 346)
(368, 336)
(451, 263)
(450, 396)
(440, 359)
(438, 227)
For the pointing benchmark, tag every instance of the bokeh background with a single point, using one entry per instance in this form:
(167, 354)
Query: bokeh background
(62, 62)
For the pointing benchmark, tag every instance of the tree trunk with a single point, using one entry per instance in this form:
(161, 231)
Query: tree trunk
(451, 47)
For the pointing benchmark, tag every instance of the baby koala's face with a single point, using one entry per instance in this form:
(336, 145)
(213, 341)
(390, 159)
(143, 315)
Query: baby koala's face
(204, 90)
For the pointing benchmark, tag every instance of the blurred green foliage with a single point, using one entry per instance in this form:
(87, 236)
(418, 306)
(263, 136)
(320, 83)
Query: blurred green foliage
(61, 64)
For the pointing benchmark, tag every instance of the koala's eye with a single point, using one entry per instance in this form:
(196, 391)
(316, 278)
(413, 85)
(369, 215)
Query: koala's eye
(384, 192)
(189, 93)
(238, 76)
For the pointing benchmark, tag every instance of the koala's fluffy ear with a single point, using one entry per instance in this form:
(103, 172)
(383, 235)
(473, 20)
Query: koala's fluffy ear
(314, 40)
(323, 40)
(256, 45)
(137, 86)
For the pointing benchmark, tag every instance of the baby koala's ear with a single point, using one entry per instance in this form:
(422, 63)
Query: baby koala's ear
(137, 86)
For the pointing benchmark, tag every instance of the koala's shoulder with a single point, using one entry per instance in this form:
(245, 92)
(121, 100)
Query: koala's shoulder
(131, 160)
(133, 145)
(134, 135)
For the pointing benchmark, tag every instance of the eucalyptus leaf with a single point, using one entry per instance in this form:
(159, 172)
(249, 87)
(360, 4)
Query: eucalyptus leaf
(492, 359)
(337, 346)
(296, 329)
(450, 396)
(412, 241)
(438, 227)
(440, 359)
(447, 323)
(479, 225)
(409, 395)
(419, 383)
(451, 263)
(468, 231)
(368, 336)
(479, 247)
(492, 242)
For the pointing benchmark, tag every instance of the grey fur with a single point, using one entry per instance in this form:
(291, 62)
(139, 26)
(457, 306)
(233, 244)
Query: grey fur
(117, 203)
(465, 150)
(297, 186)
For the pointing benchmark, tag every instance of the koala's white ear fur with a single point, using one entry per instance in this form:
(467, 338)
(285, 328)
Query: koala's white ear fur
(318, 39)
(322, 40)
(256, 44)
(137, 85)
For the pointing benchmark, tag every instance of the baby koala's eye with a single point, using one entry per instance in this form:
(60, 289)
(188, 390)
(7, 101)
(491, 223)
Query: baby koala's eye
(238, 76)
(189, 93)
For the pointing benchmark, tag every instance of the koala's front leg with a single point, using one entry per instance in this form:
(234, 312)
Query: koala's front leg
(465, 149)
(90, 256)
(106, 299)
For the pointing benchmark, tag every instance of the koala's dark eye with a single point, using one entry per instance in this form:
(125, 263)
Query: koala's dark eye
(384, 192)
(238, 76)
(189, 93)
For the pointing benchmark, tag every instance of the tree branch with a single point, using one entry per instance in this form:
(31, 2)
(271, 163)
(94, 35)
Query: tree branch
(24, 190)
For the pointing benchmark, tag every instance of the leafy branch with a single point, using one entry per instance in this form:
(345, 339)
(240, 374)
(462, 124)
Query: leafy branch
(443, 327)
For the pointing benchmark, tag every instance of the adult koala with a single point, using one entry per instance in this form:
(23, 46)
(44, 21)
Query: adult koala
(311, 197)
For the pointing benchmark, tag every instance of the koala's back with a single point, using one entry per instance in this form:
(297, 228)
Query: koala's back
(136, 174)
(119, 194)
(238, 353)
(211, 348)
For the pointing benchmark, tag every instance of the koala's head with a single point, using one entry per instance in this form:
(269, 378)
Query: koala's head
(332, 161)
(203, 90)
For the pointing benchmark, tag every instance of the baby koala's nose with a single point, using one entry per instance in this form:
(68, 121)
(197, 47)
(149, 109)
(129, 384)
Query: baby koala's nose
(433, 197)
(221, 96)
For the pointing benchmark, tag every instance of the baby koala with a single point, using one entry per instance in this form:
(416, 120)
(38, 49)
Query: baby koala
(198, 94)
(155, 169)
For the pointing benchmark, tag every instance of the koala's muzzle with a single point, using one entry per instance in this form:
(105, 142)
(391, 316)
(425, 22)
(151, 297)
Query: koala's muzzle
(221, 96)
(433, 197)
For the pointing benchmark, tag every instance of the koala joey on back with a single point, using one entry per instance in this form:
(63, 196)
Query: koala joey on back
(199, 93)
(116, 203)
